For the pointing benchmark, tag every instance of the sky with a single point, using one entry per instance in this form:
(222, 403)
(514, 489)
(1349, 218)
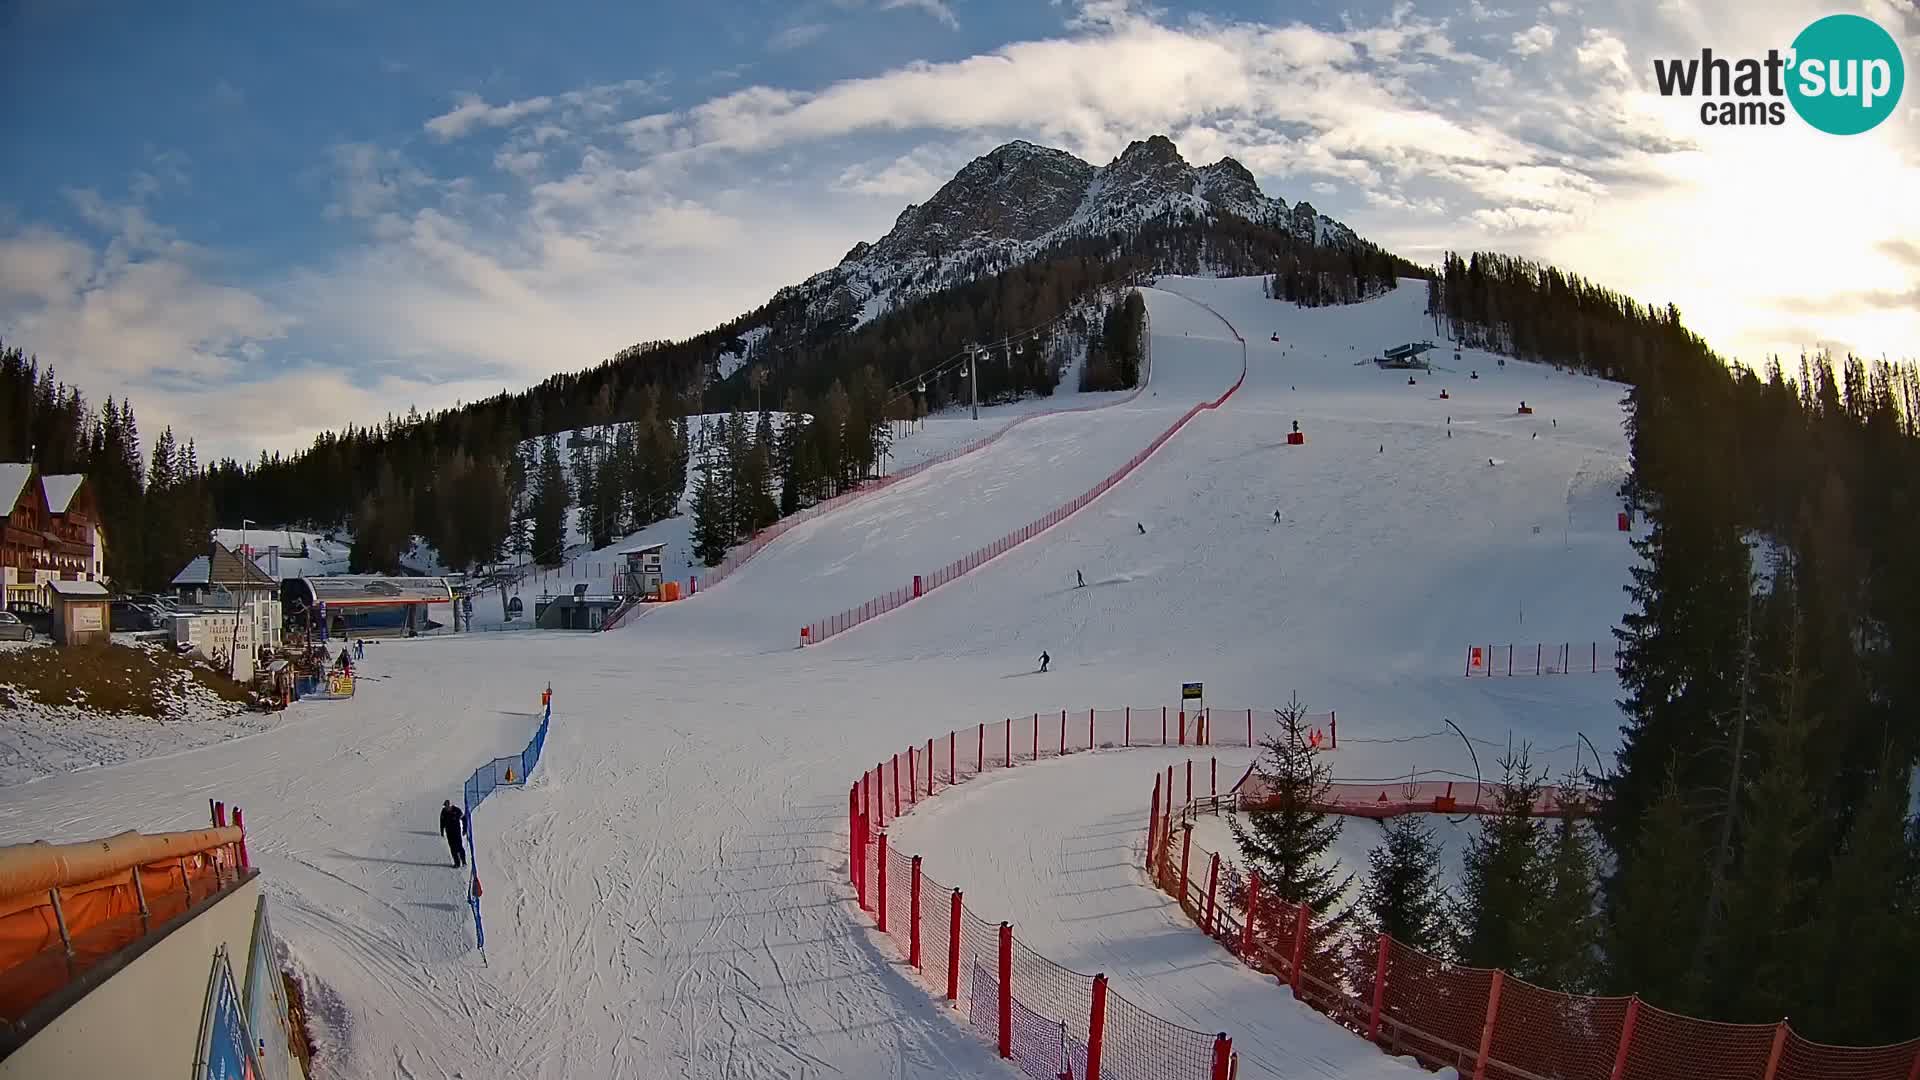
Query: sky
(263, 220)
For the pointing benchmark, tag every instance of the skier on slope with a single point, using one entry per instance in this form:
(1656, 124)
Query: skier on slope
(1044, 660)
(453, 825)
(1276, 517)
(1079, 579)
(1142, 528)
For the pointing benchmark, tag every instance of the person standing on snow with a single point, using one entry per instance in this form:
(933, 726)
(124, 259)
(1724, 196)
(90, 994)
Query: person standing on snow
(453, 824)
(1142, 528)
(1080, 580)
(1044, 660)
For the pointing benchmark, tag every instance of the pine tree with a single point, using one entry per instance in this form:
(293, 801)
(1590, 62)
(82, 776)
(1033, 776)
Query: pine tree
(1403, 894)
(711, 530)
(1654, 915)
(1567, 940)
(1863, 944)
(1503, 876)
(586, 486)
(1287, 839)
(551, 498)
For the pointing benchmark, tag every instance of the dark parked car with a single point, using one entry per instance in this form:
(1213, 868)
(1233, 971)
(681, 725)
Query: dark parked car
(131, 616)
(12, 629)
(37, 615)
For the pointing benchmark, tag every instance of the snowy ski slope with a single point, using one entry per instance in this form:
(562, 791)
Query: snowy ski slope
(667, 897)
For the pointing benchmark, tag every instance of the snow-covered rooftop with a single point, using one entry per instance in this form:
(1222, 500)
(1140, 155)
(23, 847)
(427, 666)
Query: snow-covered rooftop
(13, 478)
(60, 489)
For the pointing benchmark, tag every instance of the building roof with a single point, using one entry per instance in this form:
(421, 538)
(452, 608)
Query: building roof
(79, 589)
(194, 573)
(60, 489)
(223, 567)
(377, 590)
(13, 480)
(643, 549)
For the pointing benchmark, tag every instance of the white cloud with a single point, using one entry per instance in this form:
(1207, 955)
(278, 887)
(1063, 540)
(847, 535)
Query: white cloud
(939, 9)
(473, 113)
(1534, 39)
(796, 36)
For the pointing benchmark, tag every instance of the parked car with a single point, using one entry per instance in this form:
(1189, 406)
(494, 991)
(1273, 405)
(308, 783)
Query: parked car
(12, 629)
(36, 615)
(131, 616)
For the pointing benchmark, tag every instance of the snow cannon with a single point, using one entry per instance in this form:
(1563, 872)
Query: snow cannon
(1525, 409)
(1296, 437)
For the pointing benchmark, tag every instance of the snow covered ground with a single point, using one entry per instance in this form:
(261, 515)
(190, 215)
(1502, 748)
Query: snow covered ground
(666, 897)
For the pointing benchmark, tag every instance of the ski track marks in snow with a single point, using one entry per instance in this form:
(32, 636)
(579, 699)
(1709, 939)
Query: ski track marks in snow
(666, 896)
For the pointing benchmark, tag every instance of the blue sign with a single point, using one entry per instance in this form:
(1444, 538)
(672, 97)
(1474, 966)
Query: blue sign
(266, 1001)
(225, 1048)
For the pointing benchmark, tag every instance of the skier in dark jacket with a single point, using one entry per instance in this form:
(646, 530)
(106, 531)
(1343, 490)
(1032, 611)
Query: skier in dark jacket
(1044, 661)
(453, 825)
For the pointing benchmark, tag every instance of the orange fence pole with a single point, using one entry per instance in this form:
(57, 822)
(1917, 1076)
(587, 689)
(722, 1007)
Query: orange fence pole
(1213, 888)
(1222, 1057)
(953, 947)
(1379, 988)
(1773, 1055)
(1300, 918)
(1626, 1039)
(1486, 1030)
(1153, 825)
(883, 881)
(1253, 913)
(1186, 853)
(1006, 990)
(913, 776)
(913, 918)
(1096, 1026)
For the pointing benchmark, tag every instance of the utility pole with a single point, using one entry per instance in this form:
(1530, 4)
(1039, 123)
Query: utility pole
(973, 378)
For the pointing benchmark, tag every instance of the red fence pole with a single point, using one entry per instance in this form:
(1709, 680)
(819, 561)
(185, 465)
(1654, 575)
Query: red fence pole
(950, 780)
(1222, 1056)
(1773, 1055)
(1096, 1026)
(896, 785)
(1626, 1039)
(883, 881)
(1036, 736)
(1914, 1074)
(1213, 889)
(1300, 917)
(913, 777)
(879, 793)
(980, 762)
(1379, 988)
(853, 835)
(860, 861)
(1153, 825)
(1089, 729)
(913, 918)
(1006, 990)
(1333, 728)
(1253, 913)
(1063, 733)
(953, 947)
(1186, 854)
(1126, 736)
(1163, 725)
(1183, 726)
(1249, 727)
(1189, 780)
(1486, 1030)
(929, 768)
(1010, 738)
(1213, 782)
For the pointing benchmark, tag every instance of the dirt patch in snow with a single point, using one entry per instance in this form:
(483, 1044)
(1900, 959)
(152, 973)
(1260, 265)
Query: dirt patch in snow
(135, 680)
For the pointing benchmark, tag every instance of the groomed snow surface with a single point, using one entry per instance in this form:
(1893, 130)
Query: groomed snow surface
(668, 897)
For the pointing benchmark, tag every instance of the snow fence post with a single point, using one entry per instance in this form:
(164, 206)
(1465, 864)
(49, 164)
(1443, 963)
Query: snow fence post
(1486, 1030)
(1626, 1041)
(219, 811)
(1186, 854)
(896, 785)
(1333, 729)
(1213, 780)
(980, 760)
(1222, 1057)
(880, 795)
(1249, 727)
(1006, 990)
(913, 918)
(1163, 725)
(913, 777)
(950, 740)
(1538, 650)
(1089, 729)
(1189, 781)
(240, 822)
(953, 947)
(1183, 726)
(853, 835)
(1153, 827)
(929, 768)
(1253, 913)
(1126, 738)
(1773, 1055)
(883, 881)
(1009, 759)
(1096, 1026)
(1380, 988)
(1036, 735)
(860, 863)
(917, 593)
(1213, 889)
(1301, 915)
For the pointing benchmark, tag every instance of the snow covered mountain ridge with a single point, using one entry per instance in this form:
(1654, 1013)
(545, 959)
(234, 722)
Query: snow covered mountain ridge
(1020, 201)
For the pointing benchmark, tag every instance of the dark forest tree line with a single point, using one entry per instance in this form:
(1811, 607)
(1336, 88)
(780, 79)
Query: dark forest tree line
(156, 509)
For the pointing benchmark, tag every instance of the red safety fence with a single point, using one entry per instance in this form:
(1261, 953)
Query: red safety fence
(1482, 1022)
(1046, 1019)
(739, 555)
(816, 632)
(1542, 658)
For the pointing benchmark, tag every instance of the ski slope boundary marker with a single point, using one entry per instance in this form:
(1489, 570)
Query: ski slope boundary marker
(501, 771)
(819, 631)
(740, 555)
(1481, 1022)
